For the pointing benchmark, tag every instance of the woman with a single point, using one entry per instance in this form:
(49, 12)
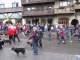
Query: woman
(11, 32)
(34, 37)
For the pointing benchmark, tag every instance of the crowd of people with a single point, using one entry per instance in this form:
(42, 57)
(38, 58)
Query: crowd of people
(36, 32)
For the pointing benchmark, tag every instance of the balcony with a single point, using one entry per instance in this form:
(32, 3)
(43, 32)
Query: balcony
(37, 13)
(10, 10)
(65, 10)
(36, 1)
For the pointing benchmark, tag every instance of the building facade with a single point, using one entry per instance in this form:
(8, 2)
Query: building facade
(38, 11)
(14, 13)
(53, 12)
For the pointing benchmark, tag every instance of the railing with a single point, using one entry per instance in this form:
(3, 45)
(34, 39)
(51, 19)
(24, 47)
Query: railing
(10, 10)
(63, 10)
(35, 1)
(37, 13)
(66, 10)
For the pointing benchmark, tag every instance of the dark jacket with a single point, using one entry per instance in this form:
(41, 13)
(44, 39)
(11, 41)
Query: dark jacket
(34, 37)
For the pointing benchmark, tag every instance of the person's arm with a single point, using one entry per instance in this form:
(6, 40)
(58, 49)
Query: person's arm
(31, 36)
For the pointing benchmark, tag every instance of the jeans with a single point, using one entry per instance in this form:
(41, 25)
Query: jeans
(35, 47)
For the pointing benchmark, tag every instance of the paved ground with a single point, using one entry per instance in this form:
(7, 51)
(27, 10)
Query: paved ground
(51, 50)
(7, 54)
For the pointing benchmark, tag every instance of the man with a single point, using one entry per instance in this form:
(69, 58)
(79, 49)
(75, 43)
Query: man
(16, 33)
(40, 38)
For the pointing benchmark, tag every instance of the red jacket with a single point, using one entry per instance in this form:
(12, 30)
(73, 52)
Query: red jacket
(11, 31)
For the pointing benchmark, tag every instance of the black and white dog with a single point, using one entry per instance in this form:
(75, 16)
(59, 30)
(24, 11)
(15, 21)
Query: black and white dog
(18, 50)
(7, 41)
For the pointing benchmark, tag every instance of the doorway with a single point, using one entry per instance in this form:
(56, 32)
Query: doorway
(64, 21)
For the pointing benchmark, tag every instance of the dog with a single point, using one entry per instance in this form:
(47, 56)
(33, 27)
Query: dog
(7, 41)
(18, 50)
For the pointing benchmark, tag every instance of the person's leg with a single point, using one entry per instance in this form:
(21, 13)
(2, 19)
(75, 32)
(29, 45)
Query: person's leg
(35, 48)
(59, 39)
(10, 38)
(13, 39)
(63, 40)
(40, 43)
(17, 37)
(79, 38)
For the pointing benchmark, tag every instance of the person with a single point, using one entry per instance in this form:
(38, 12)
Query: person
(27, 29)
(49, 36)
(5, 28)
(52, 28)
(16, 35)
(57, 33)
(79, 33)
(46, 27)
(11, 32)
(76, 34)
(40, 38)
(34, 37)
(62, 35)
(1, 43)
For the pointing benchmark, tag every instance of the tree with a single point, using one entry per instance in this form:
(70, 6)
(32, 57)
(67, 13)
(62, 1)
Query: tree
(74, 22)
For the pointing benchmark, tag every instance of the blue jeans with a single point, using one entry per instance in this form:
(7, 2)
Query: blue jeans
(35, 47)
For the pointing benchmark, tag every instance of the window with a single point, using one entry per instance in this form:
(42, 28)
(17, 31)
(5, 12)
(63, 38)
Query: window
(33, 8)
(2, 5)
(50, 7)
(47, 7)
(27, 1)
(15, 4)
(28, 9)
(64, 3)
(39, 8)
(63, 21)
